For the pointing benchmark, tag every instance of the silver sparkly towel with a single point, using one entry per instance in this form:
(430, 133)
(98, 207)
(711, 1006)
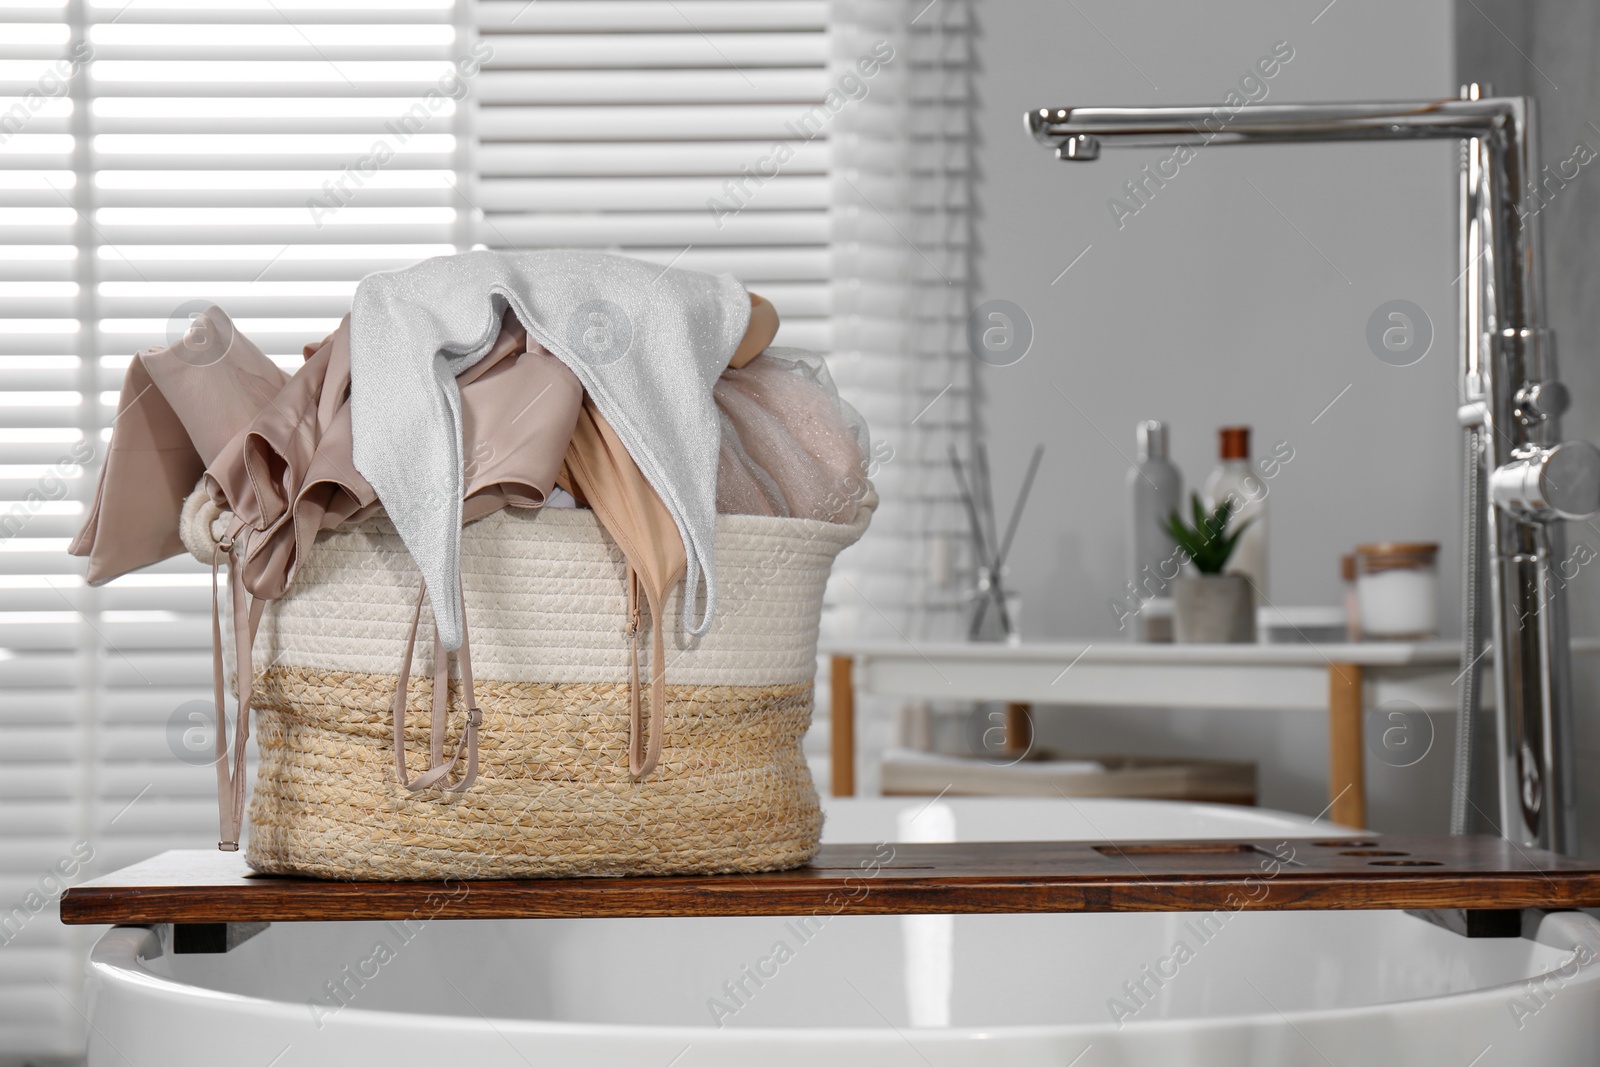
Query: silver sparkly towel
(647, 343)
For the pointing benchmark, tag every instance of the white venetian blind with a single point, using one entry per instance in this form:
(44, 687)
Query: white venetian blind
(263, 155)
(902, 220)
(679, 131)
(258, 154)
(48, 652)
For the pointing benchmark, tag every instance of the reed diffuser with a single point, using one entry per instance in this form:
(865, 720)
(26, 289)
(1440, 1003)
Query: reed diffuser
(995, 609)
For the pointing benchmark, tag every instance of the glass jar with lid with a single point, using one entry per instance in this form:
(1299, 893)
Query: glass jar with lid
(1397, 590)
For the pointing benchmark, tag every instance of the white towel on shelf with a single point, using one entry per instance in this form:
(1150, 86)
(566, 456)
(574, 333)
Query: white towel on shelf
(647, 342)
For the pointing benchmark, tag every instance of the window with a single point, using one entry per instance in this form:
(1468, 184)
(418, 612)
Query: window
(157, 156)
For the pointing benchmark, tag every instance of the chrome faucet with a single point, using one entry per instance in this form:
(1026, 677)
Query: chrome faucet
(1520, 478)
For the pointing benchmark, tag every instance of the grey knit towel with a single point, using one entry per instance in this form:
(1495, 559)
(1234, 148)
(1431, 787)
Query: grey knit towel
(647, 343)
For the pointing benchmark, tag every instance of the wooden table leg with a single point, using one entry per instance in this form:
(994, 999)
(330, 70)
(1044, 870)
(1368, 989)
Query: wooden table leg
(842, 726)
(1347, 783)
(1019, 728)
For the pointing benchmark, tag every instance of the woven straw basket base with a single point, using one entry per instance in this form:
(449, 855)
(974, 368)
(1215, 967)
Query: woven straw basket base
(546, 593)
(553, 796)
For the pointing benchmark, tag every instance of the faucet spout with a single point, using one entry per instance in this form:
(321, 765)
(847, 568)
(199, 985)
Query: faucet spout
(1501, 128)
(1277, 123)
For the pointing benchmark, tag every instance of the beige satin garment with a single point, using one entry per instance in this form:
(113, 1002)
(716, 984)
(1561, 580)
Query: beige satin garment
(289, 475)
(179, 408)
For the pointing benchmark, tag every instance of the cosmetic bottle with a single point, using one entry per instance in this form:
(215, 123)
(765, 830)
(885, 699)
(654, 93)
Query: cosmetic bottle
(1154, 489)
(1234, 479)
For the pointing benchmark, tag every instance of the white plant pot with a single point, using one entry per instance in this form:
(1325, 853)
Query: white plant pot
(1214, 609)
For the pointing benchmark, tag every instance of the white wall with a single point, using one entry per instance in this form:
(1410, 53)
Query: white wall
(1212, 306)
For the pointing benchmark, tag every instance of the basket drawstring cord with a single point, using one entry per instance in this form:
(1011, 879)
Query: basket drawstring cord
(641, 759)
(246, 620)
(438, 769)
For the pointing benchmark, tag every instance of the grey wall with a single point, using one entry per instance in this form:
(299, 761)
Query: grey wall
(1239, 294)
(1547, 50)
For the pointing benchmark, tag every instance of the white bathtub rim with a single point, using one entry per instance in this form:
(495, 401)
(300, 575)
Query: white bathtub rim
(1298, 826)
(115, 959)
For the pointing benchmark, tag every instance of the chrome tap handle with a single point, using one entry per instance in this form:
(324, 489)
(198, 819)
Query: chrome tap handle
(1544, 484)
(1538, 401)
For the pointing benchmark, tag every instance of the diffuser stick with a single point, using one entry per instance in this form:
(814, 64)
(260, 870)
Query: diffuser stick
(1022, 502)
(984, 485)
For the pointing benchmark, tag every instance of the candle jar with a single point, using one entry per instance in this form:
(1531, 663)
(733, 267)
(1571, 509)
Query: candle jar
(1397, 590)
(1352, 601)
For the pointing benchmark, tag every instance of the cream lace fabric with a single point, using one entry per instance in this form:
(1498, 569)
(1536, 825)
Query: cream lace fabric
(790, 446)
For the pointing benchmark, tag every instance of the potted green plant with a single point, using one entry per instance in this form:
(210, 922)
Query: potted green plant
(1210, 606)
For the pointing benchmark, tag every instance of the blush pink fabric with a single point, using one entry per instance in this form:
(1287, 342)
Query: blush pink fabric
(180, 407)
(289, 475)
(275, 450)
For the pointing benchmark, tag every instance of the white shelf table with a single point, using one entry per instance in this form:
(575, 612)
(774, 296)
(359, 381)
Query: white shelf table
(1342, 679)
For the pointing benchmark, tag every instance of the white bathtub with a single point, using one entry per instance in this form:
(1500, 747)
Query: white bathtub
(1279, 989)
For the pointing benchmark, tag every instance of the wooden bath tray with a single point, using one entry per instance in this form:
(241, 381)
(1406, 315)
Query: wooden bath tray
(1478, 874)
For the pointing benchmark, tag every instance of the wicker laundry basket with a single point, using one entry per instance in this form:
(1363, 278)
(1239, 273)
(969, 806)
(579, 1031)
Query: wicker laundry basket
(547, 607)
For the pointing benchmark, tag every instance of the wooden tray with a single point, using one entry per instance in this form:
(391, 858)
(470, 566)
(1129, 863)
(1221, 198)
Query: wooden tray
(1043, 773)
(1352, 872)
